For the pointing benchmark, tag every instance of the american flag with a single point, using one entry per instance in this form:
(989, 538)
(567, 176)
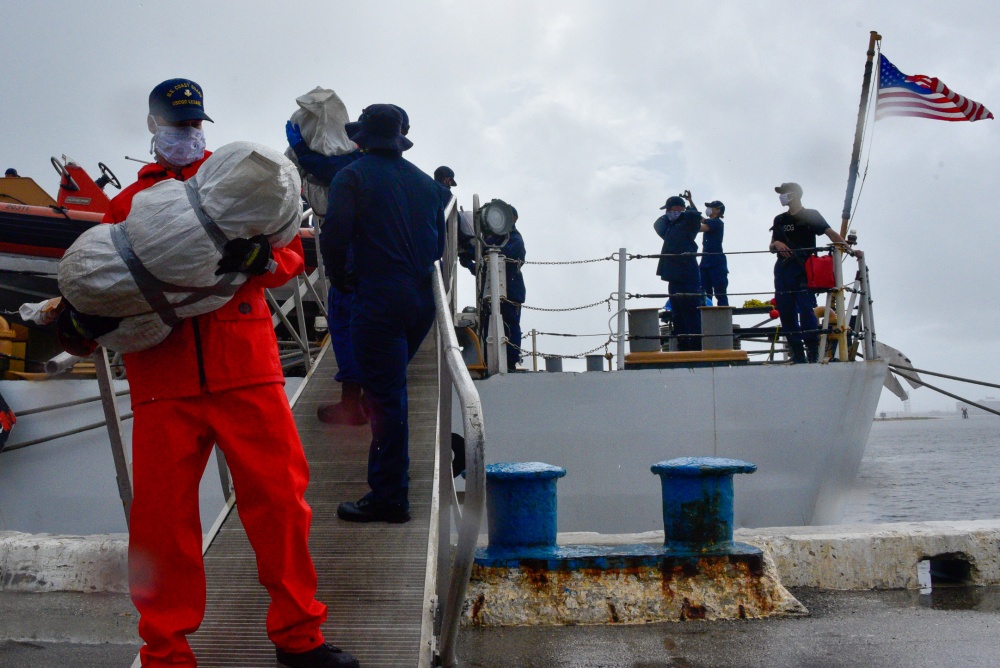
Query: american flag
(921, 96)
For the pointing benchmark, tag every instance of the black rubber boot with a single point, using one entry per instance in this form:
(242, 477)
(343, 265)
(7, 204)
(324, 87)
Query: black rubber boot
(348, 411)
(324, 656)
(812, 352)
(797, 351)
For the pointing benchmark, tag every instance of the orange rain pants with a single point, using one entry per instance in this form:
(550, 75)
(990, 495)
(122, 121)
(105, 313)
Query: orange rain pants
(172, 441)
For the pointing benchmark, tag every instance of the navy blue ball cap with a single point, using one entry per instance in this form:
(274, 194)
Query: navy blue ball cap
(379, 128)
(674, 201)
(444, 172)
(177, 100)
(790, 189)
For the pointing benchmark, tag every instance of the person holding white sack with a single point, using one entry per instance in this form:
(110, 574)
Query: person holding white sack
(318, 144)
(192, 254)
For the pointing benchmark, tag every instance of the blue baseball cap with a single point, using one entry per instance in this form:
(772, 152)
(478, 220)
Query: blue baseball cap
(673, 201)
(178, 100)
(444, 172)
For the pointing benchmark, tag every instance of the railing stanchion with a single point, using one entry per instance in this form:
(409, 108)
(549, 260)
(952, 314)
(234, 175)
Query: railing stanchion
(838, 275)
(622, 259)
(534, 349)
(865, 305)
(109, 401)
(495, 359)
(300, 314)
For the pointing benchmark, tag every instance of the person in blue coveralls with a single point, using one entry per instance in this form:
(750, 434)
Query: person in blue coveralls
(714, 268)
(350, 410)
(793, 238)
(512, 248)
(390, 215)
(678, 227)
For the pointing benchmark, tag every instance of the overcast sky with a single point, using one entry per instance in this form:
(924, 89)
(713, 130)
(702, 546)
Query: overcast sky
(585, 115)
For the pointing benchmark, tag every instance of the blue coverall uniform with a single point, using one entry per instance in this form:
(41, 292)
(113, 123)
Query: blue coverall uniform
(682, 275)
(391, 215)
(338, 313)
(714, 268)
(794, 301)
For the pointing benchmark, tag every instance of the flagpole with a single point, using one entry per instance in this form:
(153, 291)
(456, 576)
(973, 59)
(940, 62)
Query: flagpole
(852, 175)
(836, 299)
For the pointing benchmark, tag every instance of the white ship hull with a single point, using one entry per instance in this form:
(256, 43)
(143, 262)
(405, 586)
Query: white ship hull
(805, 426)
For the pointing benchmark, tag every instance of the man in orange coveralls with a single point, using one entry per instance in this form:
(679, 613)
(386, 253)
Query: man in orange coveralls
(216, 379)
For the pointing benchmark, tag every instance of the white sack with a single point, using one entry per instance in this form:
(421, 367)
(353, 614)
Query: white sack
(158, 266)
(321, 117)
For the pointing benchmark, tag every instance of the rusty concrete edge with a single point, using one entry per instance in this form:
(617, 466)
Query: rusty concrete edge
(847, 557)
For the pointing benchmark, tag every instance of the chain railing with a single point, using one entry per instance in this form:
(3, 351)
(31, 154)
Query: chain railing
(858, 290)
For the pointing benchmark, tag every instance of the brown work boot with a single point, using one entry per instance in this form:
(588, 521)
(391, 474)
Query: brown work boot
(348, 411)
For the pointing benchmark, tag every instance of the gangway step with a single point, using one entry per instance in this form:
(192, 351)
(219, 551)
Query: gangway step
(372, 577)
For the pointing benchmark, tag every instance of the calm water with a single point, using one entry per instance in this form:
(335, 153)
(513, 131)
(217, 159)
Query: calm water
(923, 470)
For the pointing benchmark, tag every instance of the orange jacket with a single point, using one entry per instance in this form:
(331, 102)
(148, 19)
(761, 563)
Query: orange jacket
(231, 347)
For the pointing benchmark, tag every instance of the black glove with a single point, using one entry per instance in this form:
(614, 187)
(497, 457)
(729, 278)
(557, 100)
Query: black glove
(344, 281)
(77, 332)
(249, 256)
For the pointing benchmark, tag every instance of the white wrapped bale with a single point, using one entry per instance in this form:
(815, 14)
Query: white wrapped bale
(321, 117)
(158, 266)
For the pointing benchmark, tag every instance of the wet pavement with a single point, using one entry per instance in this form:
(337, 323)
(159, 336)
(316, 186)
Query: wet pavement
(67, 629)
(888, 629)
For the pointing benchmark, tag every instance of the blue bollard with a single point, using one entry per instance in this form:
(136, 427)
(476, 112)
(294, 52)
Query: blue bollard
(521, 504)
(698, 502)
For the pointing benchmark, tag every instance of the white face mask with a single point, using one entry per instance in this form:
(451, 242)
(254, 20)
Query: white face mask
(673, 215)
(178, 145)
(709, 212)
(785, 198)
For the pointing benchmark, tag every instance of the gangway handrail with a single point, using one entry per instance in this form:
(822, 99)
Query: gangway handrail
(453, 372)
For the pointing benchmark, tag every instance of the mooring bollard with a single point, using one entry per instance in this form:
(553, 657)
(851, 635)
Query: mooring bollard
(521, 504)
(698, 502)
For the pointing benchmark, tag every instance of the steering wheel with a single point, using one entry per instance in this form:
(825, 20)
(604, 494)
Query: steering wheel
(109, 175)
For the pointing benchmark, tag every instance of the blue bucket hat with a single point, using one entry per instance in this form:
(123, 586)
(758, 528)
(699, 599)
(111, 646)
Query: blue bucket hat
(354, 127)
(380, 128)
(178, 100)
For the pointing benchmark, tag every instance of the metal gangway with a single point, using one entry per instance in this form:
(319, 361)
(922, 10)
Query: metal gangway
(395, 592)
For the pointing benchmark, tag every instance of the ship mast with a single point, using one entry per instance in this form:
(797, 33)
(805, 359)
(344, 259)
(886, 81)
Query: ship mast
(852, 178)
(852, 175)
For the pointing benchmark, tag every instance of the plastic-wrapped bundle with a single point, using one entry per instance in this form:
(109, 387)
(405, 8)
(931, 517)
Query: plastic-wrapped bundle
(321, 117)
(158, 266)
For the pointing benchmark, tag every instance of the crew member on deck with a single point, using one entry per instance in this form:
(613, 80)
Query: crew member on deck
(713, 267)
(793, 238)
(678, 227)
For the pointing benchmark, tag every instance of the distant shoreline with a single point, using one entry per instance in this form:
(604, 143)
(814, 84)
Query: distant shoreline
(893, 419)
